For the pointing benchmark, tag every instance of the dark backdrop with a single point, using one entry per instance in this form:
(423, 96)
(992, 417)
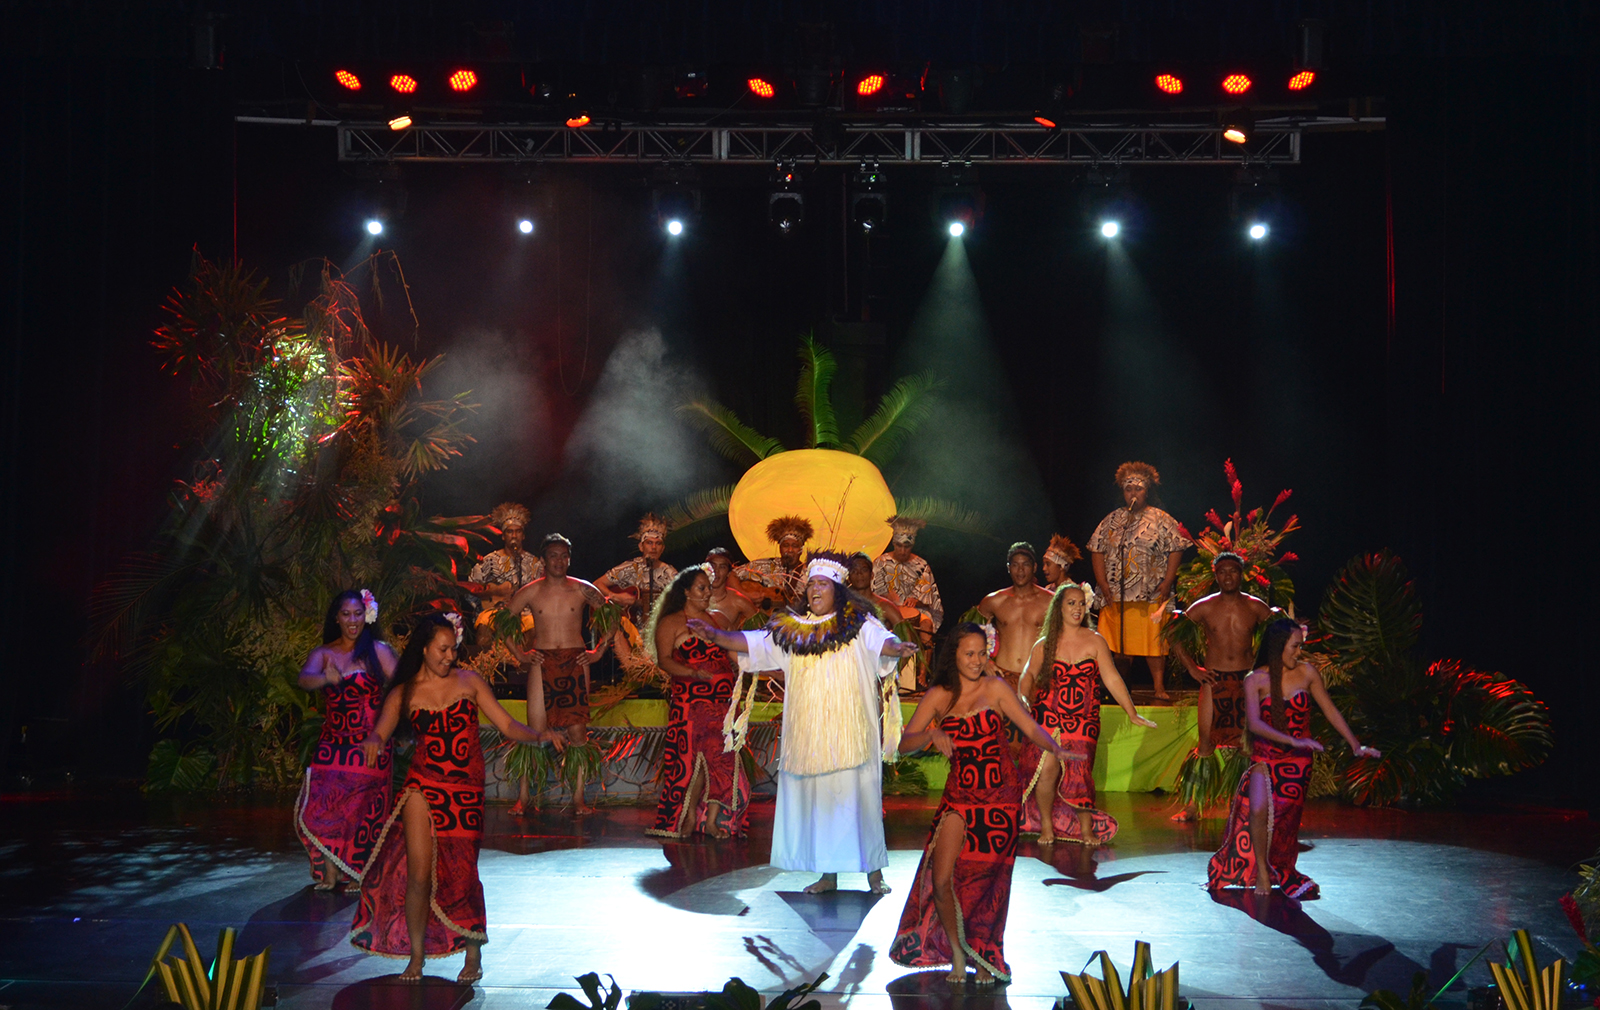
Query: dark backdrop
(1457, 431)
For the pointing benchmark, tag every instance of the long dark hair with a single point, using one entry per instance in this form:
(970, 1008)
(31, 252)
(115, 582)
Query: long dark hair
(405, 672)
(944, 673)
(366, 647)
(1270, 656)
(672, 601)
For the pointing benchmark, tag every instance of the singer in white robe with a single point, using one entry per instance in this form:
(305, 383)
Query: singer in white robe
(829, 816)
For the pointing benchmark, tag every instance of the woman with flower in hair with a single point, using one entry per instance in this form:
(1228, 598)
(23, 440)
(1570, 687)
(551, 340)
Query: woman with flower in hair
(701, 785)
(1265, 817)
(1069, 663)
(421, 896)
(832, 657)
(957, 907)
(345, 794)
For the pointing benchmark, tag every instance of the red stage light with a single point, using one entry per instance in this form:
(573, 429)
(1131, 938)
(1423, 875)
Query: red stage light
(1302, 80)
(761, 88)
(403, 83)
(463, 80)
(1045, 121)
(581, 119)
(1169, 83)
(347, 79)
(870, 84)
(1236, 84)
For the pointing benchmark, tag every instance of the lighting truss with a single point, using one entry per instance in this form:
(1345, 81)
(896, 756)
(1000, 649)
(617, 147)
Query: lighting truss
(846, 143)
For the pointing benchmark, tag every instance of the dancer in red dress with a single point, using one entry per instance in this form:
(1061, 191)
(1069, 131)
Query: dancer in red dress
(421, 896)
(957, 907)
(1069, 662)
(702, 788)
(1266, 809)
(345, 797)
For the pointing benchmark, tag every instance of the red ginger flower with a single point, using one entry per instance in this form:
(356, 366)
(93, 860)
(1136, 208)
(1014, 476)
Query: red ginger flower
(1283, 496)
(1213, 519)
(1569, 905)
(1288, 556)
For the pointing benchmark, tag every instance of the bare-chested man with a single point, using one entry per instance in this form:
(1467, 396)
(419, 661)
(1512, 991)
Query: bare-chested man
(560, 660)
(729, 608)
(1228, 619)
(1017, 612)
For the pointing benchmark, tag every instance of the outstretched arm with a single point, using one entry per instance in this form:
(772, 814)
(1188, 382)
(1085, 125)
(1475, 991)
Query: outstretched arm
(892, 646)
(1319, 691)
(733, 641)
(1011, 708)
(1030, 669)
(1112, 679)
(510, 728)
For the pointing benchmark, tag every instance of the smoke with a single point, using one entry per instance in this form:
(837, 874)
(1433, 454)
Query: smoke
(970, 450)
(511, 422)
(630, 451)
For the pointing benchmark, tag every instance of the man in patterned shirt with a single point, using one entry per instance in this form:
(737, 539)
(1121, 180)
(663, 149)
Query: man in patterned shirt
(1136, 551)
(638, 583)
(505, 571)
(778, 581)
(904, 577)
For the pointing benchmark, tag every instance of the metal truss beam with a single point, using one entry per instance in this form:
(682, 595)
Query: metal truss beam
(852, 144)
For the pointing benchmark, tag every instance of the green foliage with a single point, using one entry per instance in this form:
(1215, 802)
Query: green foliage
(904, 777)
(580, 762)
(1439, 724)
(901, 411)
(699, 516)
(1384, 999)
(813, 395)
(309, 439)
(171, 768)
(944, 515)
(728, 435)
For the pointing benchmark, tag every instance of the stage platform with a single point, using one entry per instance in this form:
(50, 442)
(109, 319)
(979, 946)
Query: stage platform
(91, 883)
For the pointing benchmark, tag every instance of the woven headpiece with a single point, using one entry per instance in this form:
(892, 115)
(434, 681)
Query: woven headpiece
(509, 514)
(1062, 551)
(1135, 472)
(905, 529)
(830, 565)
(651, 527)
(789, 528)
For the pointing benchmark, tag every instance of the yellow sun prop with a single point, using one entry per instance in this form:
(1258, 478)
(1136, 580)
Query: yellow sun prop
(842, 494)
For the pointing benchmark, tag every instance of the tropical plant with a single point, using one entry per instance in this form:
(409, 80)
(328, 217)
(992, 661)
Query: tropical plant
(1250, 535)
(877, 439)
(311, 436)
(1582, 907)
(1438, 724)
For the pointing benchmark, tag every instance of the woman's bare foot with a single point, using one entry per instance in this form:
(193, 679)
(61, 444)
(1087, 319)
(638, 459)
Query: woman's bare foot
(582, 810)
(957, 975)
(1184, 816)
(518, 809)
(413, 972)
(1162, 695)
(1045, 839)
(985, 977)
(875, 883)
(828, 882)
(718, 832)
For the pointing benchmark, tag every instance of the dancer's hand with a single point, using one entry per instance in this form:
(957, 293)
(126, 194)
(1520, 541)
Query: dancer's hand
(1307, 743)
(1367, 752)
(906, 649)
(371, 747)
(1203, 675)
(703, 630)
(555, 738)
(1139, 720)
(1062, 754)
(941, 741)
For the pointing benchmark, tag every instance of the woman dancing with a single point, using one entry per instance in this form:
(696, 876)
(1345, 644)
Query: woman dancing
(345, 795)
(1059, 799)
(421, 896)
(1265, 816)
(958, 902)
(701, 787)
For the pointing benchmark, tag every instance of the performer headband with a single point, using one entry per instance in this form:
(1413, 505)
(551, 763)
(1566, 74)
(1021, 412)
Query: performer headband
(826, 568)
(369, 602)
(651, 527)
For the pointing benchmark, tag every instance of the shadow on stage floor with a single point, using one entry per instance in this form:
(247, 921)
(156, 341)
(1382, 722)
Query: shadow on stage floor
(89, 884)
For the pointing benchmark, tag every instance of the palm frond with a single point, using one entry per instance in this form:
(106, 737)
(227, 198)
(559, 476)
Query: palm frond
(813, 394)
(728, 435)
(945, 515)
(118, 606)
(698, 515)
(1371, 610)
(901, 411)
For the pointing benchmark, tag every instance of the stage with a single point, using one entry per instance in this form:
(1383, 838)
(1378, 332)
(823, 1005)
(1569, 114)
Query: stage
(91, 884)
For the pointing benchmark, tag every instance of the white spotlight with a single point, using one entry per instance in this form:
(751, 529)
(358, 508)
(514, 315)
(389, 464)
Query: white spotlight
(525, 226)
(374, 226)
(674, 227)
(1110, 229)
(957, 229)
(1258, 231)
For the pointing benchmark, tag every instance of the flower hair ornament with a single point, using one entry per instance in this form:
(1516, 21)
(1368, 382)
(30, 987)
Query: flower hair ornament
(456, 623)
(370, 602)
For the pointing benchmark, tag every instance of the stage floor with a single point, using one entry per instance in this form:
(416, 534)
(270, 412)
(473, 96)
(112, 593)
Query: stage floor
(90, 885)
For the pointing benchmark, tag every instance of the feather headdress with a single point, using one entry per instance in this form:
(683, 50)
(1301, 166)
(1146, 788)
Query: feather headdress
(509, 513)
(651, 527)
(790, 528)
(1062, 551)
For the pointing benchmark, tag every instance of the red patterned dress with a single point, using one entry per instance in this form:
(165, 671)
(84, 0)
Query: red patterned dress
(1070, 712)
(343, 800)
(693, 755)
(1234, 864)
(447, 770)
(984, 790)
